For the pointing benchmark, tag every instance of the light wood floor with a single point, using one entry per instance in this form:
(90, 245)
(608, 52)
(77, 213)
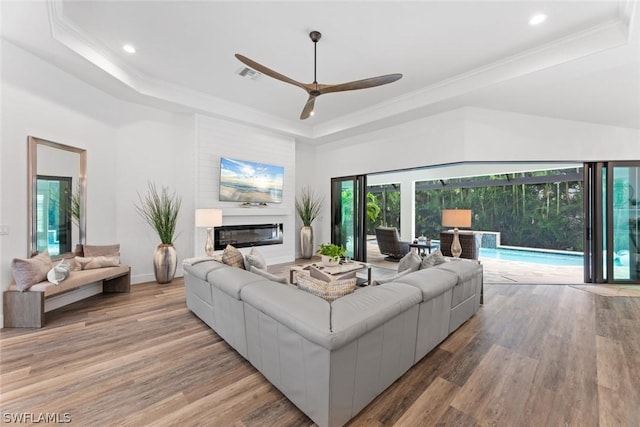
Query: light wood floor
(534, 355)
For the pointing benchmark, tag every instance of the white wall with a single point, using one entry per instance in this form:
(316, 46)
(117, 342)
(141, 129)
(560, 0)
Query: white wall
(470, 135)
(219, 138)
(492, 135)
(41, 100)
(306, 177)
(126, 144)
(152, 147)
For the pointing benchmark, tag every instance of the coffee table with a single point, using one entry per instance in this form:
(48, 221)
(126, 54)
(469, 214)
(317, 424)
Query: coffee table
(337, 271)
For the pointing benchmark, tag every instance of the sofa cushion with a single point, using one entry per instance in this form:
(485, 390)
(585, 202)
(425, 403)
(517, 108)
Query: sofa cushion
(463, 268)
(28, 272)
(201, 268)
(233, 257)
(432, 282)
(232, 280)
(433, 259)
(299, 311)
(354, 315)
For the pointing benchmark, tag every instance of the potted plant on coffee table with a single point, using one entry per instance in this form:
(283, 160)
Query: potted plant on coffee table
(160, 208)
(331, 253)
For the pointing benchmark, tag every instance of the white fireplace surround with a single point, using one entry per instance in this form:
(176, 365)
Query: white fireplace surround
(218, 138)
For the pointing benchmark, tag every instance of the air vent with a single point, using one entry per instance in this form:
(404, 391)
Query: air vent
(248, 73)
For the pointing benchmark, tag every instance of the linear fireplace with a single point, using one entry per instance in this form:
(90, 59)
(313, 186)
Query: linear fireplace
(244, 236)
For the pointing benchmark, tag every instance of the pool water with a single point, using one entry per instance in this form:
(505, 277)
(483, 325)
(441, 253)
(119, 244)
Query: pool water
(537, 257)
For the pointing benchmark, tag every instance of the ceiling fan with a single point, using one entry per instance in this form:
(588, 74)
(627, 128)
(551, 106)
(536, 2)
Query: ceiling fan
(316, 89)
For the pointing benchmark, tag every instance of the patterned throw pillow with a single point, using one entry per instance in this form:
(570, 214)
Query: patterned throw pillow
(255, 259)
(411, 261)
(233, 257)
(28, 272)
(433, 259)
(330, 291)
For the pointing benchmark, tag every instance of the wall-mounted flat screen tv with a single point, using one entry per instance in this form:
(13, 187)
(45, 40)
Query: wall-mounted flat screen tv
(244, 181)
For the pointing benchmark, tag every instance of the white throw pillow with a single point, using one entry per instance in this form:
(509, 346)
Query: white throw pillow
(255, 259)
(433, 259)
(59, 272)
(411, 261)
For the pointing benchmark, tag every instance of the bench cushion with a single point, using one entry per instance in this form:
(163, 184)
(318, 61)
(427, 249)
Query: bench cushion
(77, 279)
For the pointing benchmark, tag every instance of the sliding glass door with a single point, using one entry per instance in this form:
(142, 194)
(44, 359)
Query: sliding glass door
(348, 226)
(624, 214)
(612, 219)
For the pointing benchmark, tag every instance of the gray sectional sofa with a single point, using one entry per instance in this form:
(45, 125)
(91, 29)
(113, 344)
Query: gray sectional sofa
(332, 359)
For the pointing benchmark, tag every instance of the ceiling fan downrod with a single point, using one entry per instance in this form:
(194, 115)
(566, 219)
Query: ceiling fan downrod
(315, 36)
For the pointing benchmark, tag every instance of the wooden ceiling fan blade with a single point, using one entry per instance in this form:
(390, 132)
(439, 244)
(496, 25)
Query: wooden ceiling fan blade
(268, 71)
(308, 107)
(361, 84)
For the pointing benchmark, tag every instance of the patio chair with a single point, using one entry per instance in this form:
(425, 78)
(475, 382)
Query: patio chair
(390, 244)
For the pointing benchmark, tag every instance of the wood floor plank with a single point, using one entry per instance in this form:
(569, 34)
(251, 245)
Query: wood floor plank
(534, 355)
(431, 405)
(501, 383)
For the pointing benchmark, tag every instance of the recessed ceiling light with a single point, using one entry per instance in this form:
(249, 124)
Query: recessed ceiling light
(129, 48)
(537, 19)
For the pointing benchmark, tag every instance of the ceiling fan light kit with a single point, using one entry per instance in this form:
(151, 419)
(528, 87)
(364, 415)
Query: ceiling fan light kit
(316, 89)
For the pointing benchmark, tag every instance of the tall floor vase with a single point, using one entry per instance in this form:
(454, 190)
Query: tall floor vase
(165, 261)
(306, 241)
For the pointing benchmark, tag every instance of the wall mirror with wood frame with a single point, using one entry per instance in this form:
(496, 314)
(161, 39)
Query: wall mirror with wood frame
(56, 197)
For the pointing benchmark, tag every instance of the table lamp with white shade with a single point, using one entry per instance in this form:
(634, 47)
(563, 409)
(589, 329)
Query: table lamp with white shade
(209, 218)
(456, 218)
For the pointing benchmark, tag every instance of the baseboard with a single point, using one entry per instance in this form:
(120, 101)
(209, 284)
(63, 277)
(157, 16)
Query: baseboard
(150, 277)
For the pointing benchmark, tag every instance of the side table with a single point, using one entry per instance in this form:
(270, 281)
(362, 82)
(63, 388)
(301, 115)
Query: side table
(422, 248)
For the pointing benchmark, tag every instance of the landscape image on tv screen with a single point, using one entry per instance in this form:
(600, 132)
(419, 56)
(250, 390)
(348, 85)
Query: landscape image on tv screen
(244, 181)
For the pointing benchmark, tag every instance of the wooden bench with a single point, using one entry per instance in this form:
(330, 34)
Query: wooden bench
(26, 309)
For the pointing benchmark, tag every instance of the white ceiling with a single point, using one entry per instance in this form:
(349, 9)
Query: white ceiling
(582, 64)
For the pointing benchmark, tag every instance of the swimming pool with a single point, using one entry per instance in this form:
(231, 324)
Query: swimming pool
(537, 257)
